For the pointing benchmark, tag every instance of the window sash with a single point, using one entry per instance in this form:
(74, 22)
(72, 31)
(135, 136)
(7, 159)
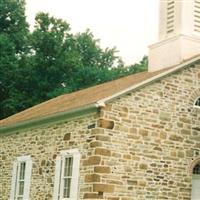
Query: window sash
(66, 174)
(67, 171)
(21, 178)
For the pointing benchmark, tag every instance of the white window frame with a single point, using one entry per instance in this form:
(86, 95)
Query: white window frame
(15, 176)
(58, 182)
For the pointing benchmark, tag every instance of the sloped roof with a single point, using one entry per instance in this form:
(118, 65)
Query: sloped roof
(79, 98)
(90, 95)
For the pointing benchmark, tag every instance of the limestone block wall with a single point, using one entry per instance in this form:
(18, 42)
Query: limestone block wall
(139, 147)
(154, 140)
(44, 144)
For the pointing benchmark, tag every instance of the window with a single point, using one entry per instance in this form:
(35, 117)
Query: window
(197, 102)
(170, 15)
(197, 16)
(67, 175)
(21, 178)
(196, 182)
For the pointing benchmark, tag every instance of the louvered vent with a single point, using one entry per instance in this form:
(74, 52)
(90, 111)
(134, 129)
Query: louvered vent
(170, 16)
(197, 16)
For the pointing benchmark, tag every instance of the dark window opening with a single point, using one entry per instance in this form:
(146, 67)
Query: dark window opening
(196, 169)
(197, 102)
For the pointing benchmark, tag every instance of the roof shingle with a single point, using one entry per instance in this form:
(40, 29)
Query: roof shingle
(79, 98)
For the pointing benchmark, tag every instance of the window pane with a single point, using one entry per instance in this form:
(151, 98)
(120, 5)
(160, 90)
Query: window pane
(196, 169)
(22, 170)
(68, 166)
(197, 103)
(67, 186)
(21, 188)
(67, 176)
(21, 178)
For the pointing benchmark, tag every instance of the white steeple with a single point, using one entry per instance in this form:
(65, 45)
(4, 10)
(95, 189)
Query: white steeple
(179, 34)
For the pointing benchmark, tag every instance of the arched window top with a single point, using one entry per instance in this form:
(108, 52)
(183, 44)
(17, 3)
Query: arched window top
(197, 102)
(196, 169)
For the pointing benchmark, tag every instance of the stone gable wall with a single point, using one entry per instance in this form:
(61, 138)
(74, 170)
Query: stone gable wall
(154, 140)
(139, 147)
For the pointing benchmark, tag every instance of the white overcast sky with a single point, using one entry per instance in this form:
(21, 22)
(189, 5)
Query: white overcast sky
(129, 25)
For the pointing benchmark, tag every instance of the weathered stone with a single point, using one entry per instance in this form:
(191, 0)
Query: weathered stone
(67, 136)
(176, 138)
(143, 132)
(103, 138)
(103, 188)
(132, 182)
(92, 196)
(185, 120)
(95, 144)
(102, 151)
(102, 169)
(142, 183)
(143, 166)
(92, 178)
(157, 148)
(107, 124)
(165, 116)
(93, 160)
(113, 198)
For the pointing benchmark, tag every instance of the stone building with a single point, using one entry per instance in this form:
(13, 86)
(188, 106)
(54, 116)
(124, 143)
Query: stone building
(135, 138)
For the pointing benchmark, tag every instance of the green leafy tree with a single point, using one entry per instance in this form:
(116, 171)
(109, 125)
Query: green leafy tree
(13, 45)
(64, 62)
(49, 61)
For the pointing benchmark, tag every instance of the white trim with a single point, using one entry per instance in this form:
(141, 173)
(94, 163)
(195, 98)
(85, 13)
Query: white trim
(58, 185)
(23, 158)
(57, 178)
(75, 176)
(13, 181)
(69, 152)
(27, 178)
(27, 185)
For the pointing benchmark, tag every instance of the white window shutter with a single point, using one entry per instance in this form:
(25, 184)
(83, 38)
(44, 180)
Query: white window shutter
(27, 185)
(75, 176)
(13, 182)
(57, 178)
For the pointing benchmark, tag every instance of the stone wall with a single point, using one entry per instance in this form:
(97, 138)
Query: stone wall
(154, 140)
(44, 144)
(140, 147)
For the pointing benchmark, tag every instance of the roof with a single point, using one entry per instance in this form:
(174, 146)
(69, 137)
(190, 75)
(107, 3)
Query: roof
(89, 96)
(78, 99)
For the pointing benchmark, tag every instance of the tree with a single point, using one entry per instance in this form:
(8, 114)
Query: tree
(64, 62)
(13, 45)
(50, 61)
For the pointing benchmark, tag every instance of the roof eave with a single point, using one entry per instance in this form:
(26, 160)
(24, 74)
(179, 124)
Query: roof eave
(51, 119)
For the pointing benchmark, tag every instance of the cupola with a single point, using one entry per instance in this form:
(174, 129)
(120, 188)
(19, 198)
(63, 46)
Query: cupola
(179, 34)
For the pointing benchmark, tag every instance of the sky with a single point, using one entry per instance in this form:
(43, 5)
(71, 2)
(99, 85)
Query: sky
(129, 25)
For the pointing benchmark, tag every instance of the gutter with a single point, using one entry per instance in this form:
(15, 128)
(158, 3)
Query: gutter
(51, 119)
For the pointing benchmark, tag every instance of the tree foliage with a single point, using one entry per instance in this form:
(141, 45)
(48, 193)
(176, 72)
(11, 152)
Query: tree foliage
(36, 66)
